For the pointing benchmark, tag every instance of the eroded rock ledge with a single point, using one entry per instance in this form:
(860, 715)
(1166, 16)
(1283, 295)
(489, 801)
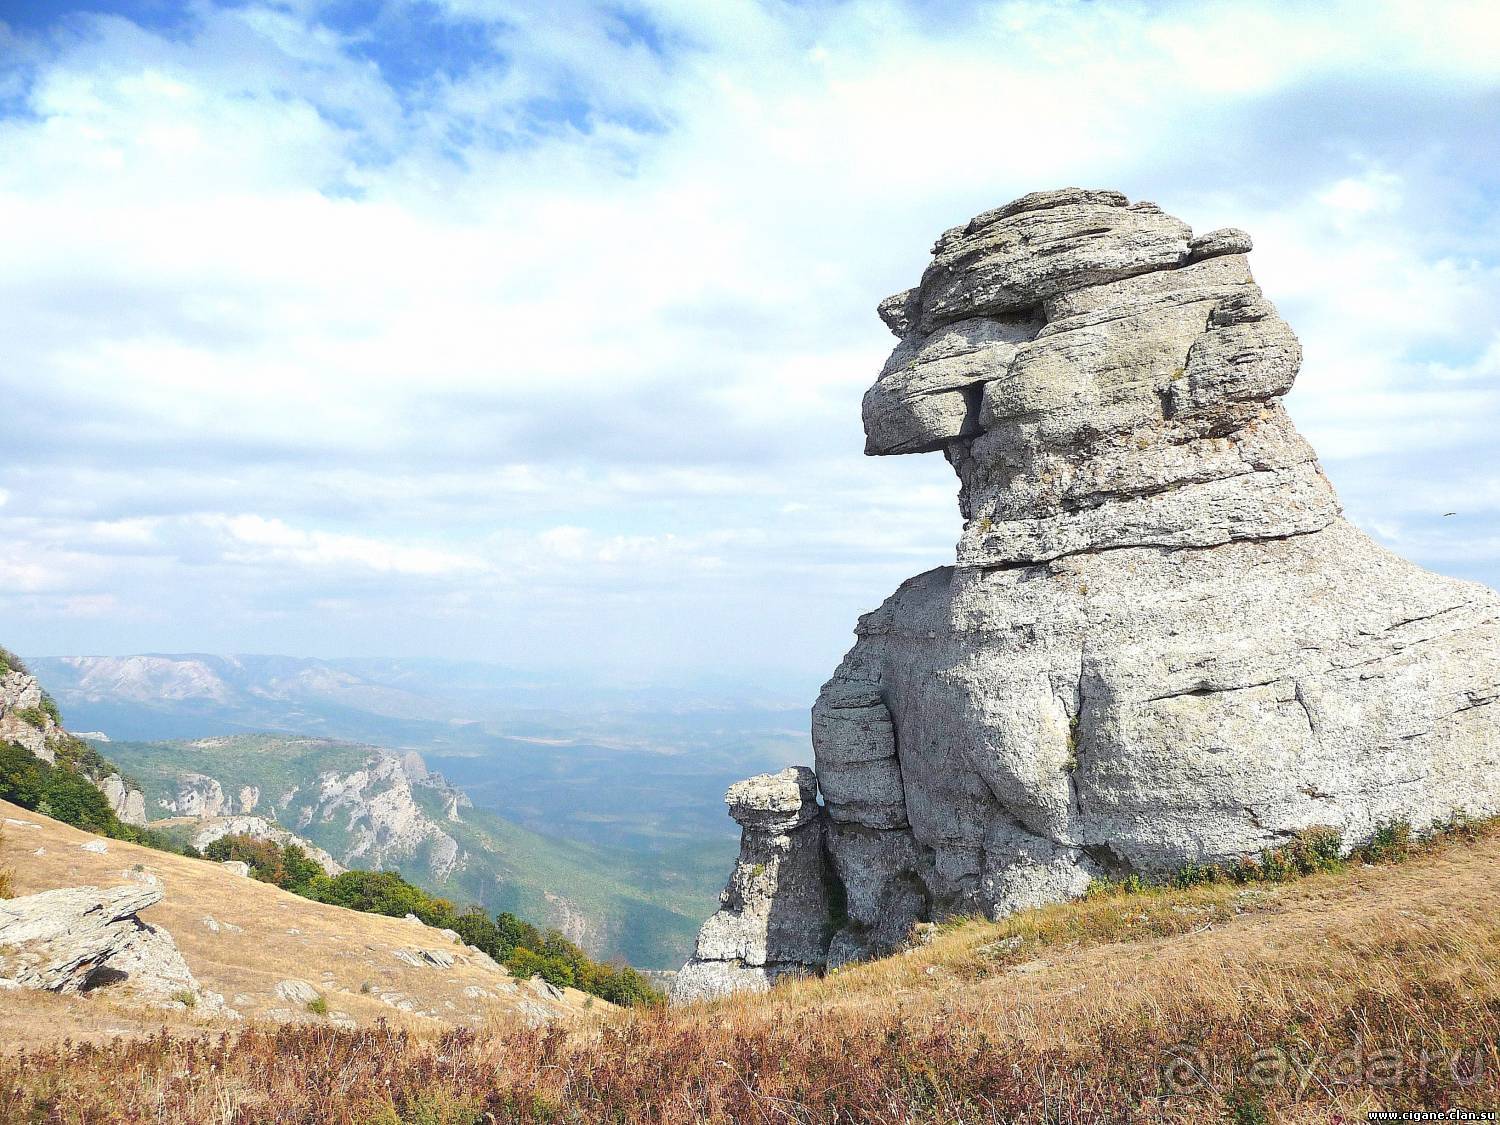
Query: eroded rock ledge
(1161, 642)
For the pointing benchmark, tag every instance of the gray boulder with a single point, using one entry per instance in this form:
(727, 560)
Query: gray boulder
(128, 804)
(297, 991)
(1161, 643)
(78, 939)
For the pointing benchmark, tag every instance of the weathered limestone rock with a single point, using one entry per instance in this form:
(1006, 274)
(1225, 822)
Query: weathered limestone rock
(22, 720)
(773, 917)
(297, 991)
(1011, 259)
(128, 804)
(386, 824)
(81, 938)
(1161, 642)
(26, 718)
(198, 795)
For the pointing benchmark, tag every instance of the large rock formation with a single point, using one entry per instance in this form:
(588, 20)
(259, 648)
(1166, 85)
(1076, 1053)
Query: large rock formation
(128, 804)
(1161, 643)
(383, 820)
(23, 720)
(81, 938)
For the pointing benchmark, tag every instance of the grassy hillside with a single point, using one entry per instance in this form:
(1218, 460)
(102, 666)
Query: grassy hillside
(647, 907)
(642, 906)
(1318, 1000)
(242, 938)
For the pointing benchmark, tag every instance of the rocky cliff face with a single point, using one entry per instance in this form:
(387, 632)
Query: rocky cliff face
(368, 816)
(201, 796)
(379, 814)
(28, 719)
(1161, 643)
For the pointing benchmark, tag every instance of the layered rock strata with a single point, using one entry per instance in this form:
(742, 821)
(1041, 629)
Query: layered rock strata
(81, 938)
(1161, 643)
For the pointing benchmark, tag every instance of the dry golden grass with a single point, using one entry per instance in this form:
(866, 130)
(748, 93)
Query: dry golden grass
(1301, 1002)
(7, 877)
(264, 935)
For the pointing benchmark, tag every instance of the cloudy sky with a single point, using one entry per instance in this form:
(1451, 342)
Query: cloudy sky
(536, 332)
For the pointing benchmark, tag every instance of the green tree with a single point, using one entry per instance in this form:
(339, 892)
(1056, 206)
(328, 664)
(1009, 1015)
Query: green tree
(74, 800)
(299, 871)
(23, 776)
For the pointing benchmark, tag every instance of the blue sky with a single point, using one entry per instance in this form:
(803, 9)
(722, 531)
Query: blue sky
(537, 332)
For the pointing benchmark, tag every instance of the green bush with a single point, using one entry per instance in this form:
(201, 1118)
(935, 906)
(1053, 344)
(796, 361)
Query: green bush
(63, 794)
(81, 757)
(384, 892)
(1391, 843)
(32, 716)
(23, 776)
(527, 963)
(287, 867)
(75, 800)
(523, 948)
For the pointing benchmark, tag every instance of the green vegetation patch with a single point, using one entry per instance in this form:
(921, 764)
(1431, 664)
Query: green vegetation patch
(64, 793)
(523, 948)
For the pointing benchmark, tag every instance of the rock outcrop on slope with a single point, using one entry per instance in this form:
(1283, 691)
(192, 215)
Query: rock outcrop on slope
(199, 795)
(28, 719)
(773, 915)
(1161, 642)
(78, 939)
(203, 831)
(383, 821)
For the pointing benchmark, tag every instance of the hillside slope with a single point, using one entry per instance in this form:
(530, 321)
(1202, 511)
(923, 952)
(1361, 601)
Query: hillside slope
(375, 808)
(242, 938)
(1314, 1001)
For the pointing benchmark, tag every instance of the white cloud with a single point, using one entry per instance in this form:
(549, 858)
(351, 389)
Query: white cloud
(283, 339)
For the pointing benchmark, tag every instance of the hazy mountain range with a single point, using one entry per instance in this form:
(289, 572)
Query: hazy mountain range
(614, 784)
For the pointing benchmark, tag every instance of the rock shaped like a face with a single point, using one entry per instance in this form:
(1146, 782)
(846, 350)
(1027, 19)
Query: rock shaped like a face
(1079, 358)
(1161, 643)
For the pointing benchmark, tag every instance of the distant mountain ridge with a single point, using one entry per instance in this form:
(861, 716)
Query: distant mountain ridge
(614, 787)
(612, 763)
